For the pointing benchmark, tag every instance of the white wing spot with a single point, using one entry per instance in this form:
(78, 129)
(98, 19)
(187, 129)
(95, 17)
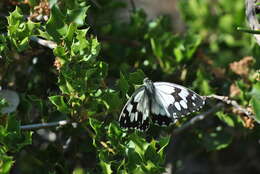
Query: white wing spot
(193, 97)
(177, 105)
(165, 88)
(136, 116)
(193, 104)
(129, 108)
(138, 96)
(132, 117)
(184, 94)
(184, 104)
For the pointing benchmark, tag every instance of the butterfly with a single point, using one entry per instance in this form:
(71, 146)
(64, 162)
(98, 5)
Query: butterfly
(162, 103)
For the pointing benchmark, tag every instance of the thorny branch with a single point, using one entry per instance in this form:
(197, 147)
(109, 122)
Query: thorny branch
(46, 43)
(45, 125)
(226, 100)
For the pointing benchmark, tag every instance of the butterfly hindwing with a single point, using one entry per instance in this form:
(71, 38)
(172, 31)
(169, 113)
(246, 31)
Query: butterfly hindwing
(161, 120)
(135, 114)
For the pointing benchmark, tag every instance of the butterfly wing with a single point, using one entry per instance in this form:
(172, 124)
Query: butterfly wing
(135, 114)
(172, 101)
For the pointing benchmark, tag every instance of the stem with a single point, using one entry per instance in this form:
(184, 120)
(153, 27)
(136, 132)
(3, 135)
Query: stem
(248, 30)
(46, 43)
(45, 125)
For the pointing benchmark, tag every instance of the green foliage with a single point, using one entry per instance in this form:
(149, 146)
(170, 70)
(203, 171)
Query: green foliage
(3, 103)
(98, 62)
(11, 140)
(217, 22)
(255, 100)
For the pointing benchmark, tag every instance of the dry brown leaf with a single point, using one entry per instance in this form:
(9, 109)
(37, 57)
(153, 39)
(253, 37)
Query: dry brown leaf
(218, 72)
(41, 11)
(234, 90)
(57, 64)
(249, 122)
(242, 67)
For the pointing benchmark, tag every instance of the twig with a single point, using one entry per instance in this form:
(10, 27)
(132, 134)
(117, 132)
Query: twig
(196, 119)
(133, 5)
(248, 31)
(46, 43)
(226, 100)
(252, 19)
(45, 125)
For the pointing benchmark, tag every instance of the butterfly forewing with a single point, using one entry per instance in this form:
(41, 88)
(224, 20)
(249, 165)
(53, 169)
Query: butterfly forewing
(135, 114)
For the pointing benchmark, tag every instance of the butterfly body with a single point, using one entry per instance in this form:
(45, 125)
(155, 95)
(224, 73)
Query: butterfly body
(161, 102)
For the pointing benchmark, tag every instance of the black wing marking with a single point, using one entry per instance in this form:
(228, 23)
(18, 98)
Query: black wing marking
(159, 114)
(162, 120)
(135, 114)
(177, 100)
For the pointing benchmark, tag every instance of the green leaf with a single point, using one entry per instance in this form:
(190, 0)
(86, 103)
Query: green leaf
(157, 49)
(6, 162)
(255, 100)
(59, 102)
(202, 82)
(114, 133)
(95, 46)
(60, 52)
(3, 105)
(151, 167)
(139, 144)
(72, 29)
(226, 118)
(11, 137)
(77, 15)
(112, 100)
(106, 167)
(151, 154)
(96, 125)
(137, 77)
(13, 125)
(52, 2)
(133, 158)
(255, 92)
(256, 106)
(230, 120)
(23, 45)
(56, 26)
(163, 142)
(15, 17)
(104, 163)
(123, 84)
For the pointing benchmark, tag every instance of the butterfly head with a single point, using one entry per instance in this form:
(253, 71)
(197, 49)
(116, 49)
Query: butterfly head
(149, 85)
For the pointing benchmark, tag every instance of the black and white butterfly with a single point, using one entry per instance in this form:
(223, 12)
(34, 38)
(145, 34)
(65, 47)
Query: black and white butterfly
(163, 103)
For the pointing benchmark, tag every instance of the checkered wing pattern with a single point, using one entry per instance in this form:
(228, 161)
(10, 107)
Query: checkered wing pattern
(172, 101)
(135, 114)
(163, 103)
